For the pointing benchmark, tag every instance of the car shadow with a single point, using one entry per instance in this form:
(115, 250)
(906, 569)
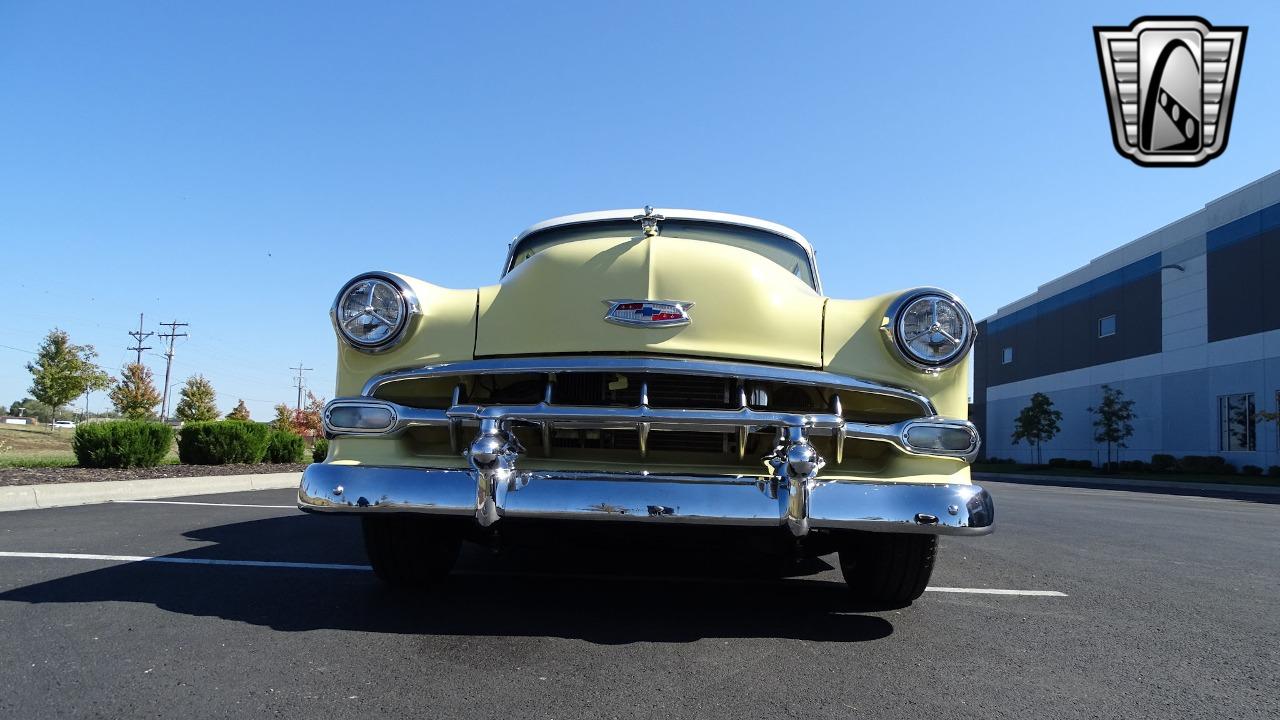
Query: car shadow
(600, 594)
(1199, 490)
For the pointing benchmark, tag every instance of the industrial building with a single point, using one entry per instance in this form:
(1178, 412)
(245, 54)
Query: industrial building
(1184, 320)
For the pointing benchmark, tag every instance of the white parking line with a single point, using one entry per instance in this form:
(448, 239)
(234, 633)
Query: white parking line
(186, 502)
(997, 591)
(185, 561)
(483, 573)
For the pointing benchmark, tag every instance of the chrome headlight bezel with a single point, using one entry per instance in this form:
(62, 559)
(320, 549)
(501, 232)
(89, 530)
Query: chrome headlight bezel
(410, 312)
(892, 331)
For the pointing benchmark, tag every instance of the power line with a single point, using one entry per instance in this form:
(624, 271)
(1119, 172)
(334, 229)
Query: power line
(138, 337)
(10, 347)
(170, 336)
(300, 382)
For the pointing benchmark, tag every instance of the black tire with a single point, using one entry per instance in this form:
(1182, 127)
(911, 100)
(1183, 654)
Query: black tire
(887, 569)
(410, 553)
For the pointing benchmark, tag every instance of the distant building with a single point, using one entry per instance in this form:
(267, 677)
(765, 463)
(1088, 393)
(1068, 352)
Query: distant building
(1185, 320)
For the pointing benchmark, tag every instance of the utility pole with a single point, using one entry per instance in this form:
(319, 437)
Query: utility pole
(168, 362)
(138, 337)
(300, 382)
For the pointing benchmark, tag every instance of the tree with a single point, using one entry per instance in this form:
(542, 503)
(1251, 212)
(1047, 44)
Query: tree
(63, 372)
(241, 412)
(1113, 423)
(283, 419)
(308, 421)
(1037, 423)
(135, 396)
(198, 401)
(305, 421)
(30, 407)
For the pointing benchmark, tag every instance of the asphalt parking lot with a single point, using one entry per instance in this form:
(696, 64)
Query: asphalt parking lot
(1148, 605)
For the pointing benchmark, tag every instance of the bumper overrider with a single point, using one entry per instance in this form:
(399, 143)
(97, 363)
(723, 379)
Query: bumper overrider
(790, 493)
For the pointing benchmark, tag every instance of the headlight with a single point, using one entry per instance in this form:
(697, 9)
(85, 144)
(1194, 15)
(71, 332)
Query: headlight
(373, 310)
(928, 329)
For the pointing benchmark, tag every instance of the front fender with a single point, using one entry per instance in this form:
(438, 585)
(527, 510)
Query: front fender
(853, 344)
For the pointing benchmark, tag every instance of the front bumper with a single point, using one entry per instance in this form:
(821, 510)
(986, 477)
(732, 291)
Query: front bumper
(745, 501)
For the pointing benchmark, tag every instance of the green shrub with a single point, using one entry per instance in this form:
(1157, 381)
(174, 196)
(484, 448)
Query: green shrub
(284, 447)
(1205, 464)
(1072, 464)
(1133, 466)
(121, 443)
(321, 451)
(220, 442)
(1273, 471)
(1163, 463)
(1253, 470)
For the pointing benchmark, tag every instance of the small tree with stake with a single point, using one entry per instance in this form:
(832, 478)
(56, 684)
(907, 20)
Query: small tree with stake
(199, 401)
(63, 372)
(1037, 423)
(135, 396)
(1113, 421)
(241, 412)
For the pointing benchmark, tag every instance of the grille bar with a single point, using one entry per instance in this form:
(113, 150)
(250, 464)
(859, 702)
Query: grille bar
(642, 365)
(678, 419)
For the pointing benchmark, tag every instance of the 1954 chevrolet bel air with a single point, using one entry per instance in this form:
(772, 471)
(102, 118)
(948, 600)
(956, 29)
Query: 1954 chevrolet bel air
(645, 369)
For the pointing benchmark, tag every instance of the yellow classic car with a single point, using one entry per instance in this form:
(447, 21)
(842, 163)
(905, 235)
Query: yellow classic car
(642, 369)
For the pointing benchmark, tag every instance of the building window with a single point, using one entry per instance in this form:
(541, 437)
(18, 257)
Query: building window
(1006, 356)
(1106, 326)
(1236, 420)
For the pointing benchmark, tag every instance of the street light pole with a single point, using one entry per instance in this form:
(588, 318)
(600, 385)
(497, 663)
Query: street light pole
(169, 393)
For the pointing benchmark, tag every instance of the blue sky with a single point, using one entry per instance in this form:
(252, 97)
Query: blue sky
(231, 164)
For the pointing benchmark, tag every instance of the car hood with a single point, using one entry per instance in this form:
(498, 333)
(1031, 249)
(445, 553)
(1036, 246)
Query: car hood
(744, 305)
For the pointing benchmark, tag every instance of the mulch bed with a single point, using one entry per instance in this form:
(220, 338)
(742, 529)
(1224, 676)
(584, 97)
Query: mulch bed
(39, 476)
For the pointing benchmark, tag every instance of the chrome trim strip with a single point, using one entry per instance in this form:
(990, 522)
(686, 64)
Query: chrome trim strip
(649, 364)
(625, 418)
(677, 214)
(746, 501)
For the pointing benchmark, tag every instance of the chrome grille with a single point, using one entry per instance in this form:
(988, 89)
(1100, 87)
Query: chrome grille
(579, 384)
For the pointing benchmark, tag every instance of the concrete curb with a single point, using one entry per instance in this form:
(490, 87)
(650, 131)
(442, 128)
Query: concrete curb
(50, 495)
(1130, 484)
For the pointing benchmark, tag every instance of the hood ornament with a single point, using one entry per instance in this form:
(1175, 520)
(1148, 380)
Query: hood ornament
(649, 221)
(648, 313)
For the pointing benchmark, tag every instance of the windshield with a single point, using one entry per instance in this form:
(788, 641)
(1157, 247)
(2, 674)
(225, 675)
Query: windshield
(783, 251)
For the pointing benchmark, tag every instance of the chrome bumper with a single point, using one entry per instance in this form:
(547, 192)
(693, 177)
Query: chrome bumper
(952, 509)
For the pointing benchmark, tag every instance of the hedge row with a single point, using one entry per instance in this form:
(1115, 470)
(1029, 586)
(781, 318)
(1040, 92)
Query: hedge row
(121, 444)
(1160, 463)
(285, 447)
(222, 442)
(132, 443)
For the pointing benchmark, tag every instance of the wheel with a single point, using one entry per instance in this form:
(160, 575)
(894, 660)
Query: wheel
(410, 553)
(887, 569)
